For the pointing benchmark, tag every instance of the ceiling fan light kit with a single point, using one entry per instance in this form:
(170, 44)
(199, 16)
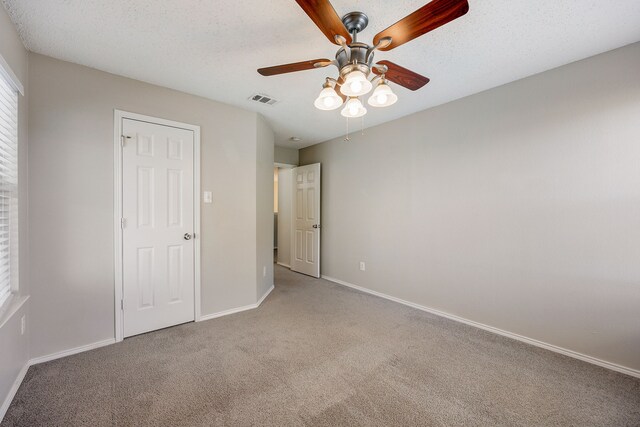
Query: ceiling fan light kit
(355, 84)
(353, 109)
(328, 98)
(354, 59)
(382, 95)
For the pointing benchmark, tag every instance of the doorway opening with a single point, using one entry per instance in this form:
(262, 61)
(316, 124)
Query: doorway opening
(282, 213)
(275, 213)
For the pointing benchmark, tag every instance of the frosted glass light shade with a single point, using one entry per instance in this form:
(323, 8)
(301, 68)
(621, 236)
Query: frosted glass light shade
(328, 99)
(353, 108)
(382, 96)
(356, 84)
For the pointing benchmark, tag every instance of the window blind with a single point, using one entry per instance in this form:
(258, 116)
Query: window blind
(8, 184)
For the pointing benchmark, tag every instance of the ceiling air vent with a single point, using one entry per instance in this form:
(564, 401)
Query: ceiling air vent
(261, 98)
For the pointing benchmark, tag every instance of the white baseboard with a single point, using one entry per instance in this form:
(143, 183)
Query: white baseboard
(71, 351)
(284, 265)
(237, 309)
(266, 294)
(13, 390)
(109, 341)
(551, 347)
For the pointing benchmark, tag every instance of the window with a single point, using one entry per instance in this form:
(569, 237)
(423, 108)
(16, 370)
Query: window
(8, 187)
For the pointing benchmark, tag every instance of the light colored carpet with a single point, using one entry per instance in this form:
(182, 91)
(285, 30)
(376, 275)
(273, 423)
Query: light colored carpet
(316, 353)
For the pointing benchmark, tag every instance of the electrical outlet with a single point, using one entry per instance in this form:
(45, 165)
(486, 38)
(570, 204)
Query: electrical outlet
(23, 325)
(362, 266)
(264, 271)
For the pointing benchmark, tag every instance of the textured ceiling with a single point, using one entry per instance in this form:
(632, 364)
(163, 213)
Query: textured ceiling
(213, 48)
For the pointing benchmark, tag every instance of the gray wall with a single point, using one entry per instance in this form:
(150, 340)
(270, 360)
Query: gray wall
(518, 208)
(284, 215)
(71, 174)
(287, 156)
(264, 195)
(14, 347)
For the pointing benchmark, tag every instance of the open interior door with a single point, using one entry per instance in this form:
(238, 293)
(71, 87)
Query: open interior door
(305, 236)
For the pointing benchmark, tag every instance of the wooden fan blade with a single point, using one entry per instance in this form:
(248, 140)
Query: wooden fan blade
(402, 76)
(296, 66)
(427, 18)
(325, 17)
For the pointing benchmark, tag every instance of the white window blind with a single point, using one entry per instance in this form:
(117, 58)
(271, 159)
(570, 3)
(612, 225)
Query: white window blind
(8, 187)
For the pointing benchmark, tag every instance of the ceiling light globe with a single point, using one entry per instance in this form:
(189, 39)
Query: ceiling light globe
(356, 84)
(353, 109)
(328, 99)
(382, 96)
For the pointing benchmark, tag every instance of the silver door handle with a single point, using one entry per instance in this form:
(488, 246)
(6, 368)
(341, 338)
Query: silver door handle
(187, 236)
(316, 225)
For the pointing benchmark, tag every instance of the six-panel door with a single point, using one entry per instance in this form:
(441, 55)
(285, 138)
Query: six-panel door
(305, 254)
(158, 244)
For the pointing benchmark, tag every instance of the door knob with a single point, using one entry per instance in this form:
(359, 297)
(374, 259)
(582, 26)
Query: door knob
(316, 225)
(187, 236)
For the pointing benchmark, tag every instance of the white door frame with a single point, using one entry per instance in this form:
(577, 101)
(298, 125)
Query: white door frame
(118, 115)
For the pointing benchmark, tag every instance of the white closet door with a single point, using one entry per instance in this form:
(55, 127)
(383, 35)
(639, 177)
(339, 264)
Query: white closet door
(158, 224)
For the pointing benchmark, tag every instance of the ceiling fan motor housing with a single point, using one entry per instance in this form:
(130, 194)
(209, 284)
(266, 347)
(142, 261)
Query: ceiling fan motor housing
(360, 56)
(357, 60)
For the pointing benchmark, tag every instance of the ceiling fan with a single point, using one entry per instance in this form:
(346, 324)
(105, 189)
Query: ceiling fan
(354, 59)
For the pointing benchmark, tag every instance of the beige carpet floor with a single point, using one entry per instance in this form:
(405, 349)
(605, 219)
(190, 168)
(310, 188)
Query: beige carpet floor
(316, 353)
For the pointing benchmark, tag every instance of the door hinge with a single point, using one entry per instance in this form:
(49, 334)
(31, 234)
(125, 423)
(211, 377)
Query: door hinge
(121, 304)
(123, 139)
(123, 223)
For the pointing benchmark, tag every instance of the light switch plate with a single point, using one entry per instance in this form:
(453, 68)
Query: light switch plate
(208, 197)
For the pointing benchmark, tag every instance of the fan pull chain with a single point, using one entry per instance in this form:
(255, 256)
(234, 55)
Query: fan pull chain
(362, 125)
(347, 139)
